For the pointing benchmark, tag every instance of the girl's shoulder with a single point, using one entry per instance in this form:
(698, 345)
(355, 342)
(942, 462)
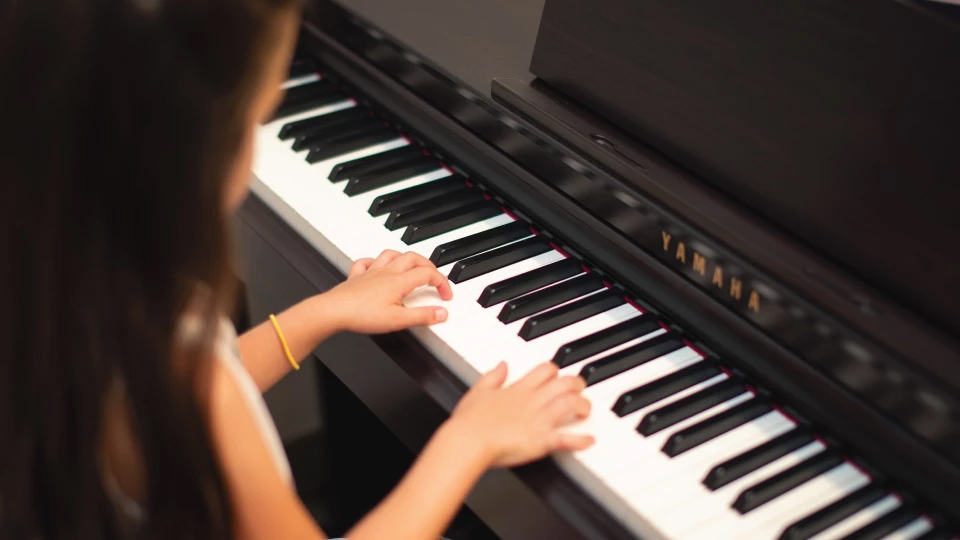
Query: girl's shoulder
(242, 389)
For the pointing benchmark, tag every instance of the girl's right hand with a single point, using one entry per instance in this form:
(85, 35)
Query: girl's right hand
(520, 423)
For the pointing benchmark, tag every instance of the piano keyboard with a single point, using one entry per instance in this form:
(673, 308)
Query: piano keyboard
(686, 447)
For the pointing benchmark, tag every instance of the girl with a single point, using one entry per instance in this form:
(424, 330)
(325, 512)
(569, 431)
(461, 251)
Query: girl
(128, 408)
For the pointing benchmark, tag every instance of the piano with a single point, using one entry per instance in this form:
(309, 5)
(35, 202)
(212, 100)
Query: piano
(736, 220)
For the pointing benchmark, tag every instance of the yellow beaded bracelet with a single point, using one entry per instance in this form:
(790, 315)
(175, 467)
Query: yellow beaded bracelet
(283, 342)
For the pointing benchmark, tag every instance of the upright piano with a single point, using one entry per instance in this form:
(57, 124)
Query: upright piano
(737, 220)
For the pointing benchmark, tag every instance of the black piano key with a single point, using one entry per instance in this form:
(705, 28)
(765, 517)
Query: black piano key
(496, 259)
(763, 492)
(549, 297)
(309, 90)
(301, 67)
(317, 139)
(290, 108)
(468, 246)
(563, 316)
(711, 428)
(937, 534)
(448, 221)
(351, 144)
(390, 175)
(418, 212)
(737, 467)
(631, 357)
(299, 128)
(342, 171)
(678, 411)
(885, 525)
(529, 281)
(315, 136)
(606, 339)
(665, 387)
(833, 513)
(384, 204)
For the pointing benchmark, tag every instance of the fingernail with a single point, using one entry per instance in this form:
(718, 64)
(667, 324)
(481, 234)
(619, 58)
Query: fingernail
(440, 314)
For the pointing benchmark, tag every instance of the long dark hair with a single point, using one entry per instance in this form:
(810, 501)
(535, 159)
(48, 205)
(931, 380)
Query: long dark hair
(120, 123)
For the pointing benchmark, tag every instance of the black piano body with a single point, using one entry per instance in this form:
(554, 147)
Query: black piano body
(871, 362)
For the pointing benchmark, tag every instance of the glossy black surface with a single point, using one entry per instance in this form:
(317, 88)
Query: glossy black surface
(759, 456)
(303, 67)
(479, 242)
(664, 387)
(448, 221)
(389, 202)
(887, 524)
(470, 41)
(349, 143)
(316, 139)
(713, 427)
(771, 488)
(617, 334)
(342, 171)
(420, 211)
(495, 259)
(528, 281)
(833, 513)
(391, 174)
(678, 411)
(578, 310)
(291, 107)
(549, 297)
(304, 127)
(631, 357)
(835, 123)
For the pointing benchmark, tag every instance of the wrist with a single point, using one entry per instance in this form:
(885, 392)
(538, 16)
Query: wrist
(323, 308)
(458, 438)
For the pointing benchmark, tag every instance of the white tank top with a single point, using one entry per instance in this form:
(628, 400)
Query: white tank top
(226, 351)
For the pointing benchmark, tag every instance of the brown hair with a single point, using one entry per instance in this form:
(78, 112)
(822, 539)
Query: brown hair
(124, 117)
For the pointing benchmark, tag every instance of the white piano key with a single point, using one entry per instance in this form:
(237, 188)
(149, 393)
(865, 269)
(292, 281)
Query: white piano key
(915, 529)
(617, 437)
(862, 518)
(663, 489)
(301, 80)
(679, 519)
(622, 457)
(769, 520)
(625, 465)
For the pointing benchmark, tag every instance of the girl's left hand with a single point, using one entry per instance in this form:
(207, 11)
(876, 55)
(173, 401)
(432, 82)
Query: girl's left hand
(368, 301)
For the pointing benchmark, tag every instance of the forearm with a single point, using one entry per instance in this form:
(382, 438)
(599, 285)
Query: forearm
(429, 496)
(304, 325)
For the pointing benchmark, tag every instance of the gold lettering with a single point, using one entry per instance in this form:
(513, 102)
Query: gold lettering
(736, 288)
(754, 304)
(718, 277)
(699, 263)
(681, 252)
(666, 240)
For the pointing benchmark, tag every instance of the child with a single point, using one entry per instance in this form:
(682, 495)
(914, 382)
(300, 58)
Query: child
(128, 407)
